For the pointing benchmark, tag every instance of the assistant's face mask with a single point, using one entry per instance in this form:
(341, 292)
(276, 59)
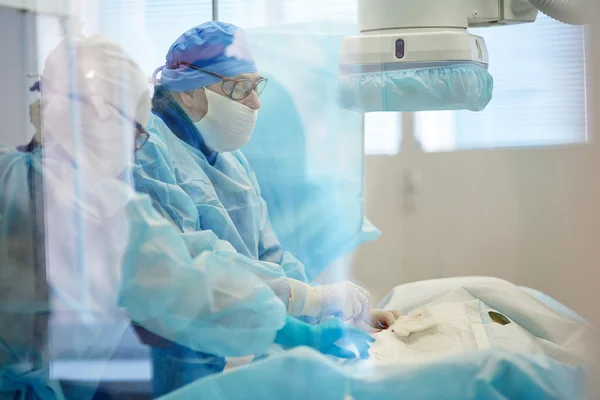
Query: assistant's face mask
(99, 140)
(227, 125)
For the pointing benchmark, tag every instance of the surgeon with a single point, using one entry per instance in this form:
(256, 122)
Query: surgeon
(108, 250)
(203, 111)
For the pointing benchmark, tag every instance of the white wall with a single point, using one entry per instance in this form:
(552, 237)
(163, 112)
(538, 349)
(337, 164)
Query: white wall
(523, 215)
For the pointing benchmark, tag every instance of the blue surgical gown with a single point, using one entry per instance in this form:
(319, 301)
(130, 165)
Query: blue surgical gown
(204, 199)
(303, 373)
(206, 194)
(24, 295)
(213, 302)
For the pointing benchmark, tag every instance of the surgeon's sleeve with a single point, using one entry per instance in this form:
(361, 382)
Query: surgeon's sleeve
(269, 247)
(154, 174)
(212, 303)
(271, 251)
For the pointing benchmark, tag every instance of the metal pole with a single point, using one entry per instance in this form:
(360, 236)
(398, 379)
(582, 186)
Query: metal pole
(215, 10)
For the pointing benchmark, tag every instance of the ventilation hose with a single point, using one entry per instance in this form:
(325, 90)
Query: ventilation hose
(574, 12)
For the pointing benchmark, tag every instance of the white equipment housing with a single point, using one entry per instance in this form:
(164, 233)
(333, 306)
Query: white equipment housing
(398, 34)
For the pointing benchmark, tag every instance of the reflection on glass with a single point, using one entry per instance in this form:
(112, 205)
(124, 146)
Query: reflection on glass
(383, 133)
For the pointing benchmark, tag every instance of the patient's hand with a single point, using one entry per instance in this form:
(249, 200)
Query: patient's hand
(382, 319)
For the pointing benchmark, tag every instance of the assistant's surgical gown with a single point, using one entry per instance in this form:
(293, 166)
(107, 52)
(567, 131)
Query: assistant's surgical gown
(111, 255)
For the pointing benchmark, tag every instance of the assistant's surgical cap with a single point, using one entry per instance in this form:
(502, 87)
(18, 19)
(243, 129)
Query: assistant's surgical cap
(98, 70)
(93, 93)
(217, 47)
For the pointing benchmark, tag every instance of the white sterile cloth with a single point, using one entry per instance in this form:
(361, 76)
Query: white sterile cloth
(447, 317)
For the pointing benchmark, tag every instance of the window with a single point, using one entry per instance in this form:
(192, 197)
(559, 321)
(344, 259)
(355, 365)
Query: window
(248, 13)
(307, 10)
(146, 29)
(539, 92)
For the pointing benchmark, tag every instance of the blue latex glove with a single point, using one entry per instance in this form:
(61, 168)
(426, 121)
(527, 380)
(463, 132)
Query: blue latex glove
(323, 337)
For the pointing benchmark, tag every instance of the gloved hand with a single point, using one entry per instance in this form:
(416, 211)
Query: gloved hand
(323, 337)
(382, 319)
(345, 300)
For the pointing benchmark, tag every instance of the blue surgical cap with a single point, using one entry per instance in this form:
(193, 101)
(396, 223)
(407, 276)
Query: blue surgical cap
(214, 46)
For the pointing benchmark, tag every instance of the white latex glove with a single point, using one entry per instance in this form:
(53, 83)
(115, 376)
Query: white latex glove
(345, 300)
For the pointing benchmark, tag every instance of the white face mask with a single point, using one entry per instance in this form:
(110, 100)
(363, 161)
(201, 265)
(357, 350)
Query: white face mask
(102, 142)
(227, 125)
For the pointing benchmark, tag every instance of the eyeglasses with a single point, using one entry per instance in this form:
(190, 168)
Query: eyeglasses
(141, 135)
(235, 89)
